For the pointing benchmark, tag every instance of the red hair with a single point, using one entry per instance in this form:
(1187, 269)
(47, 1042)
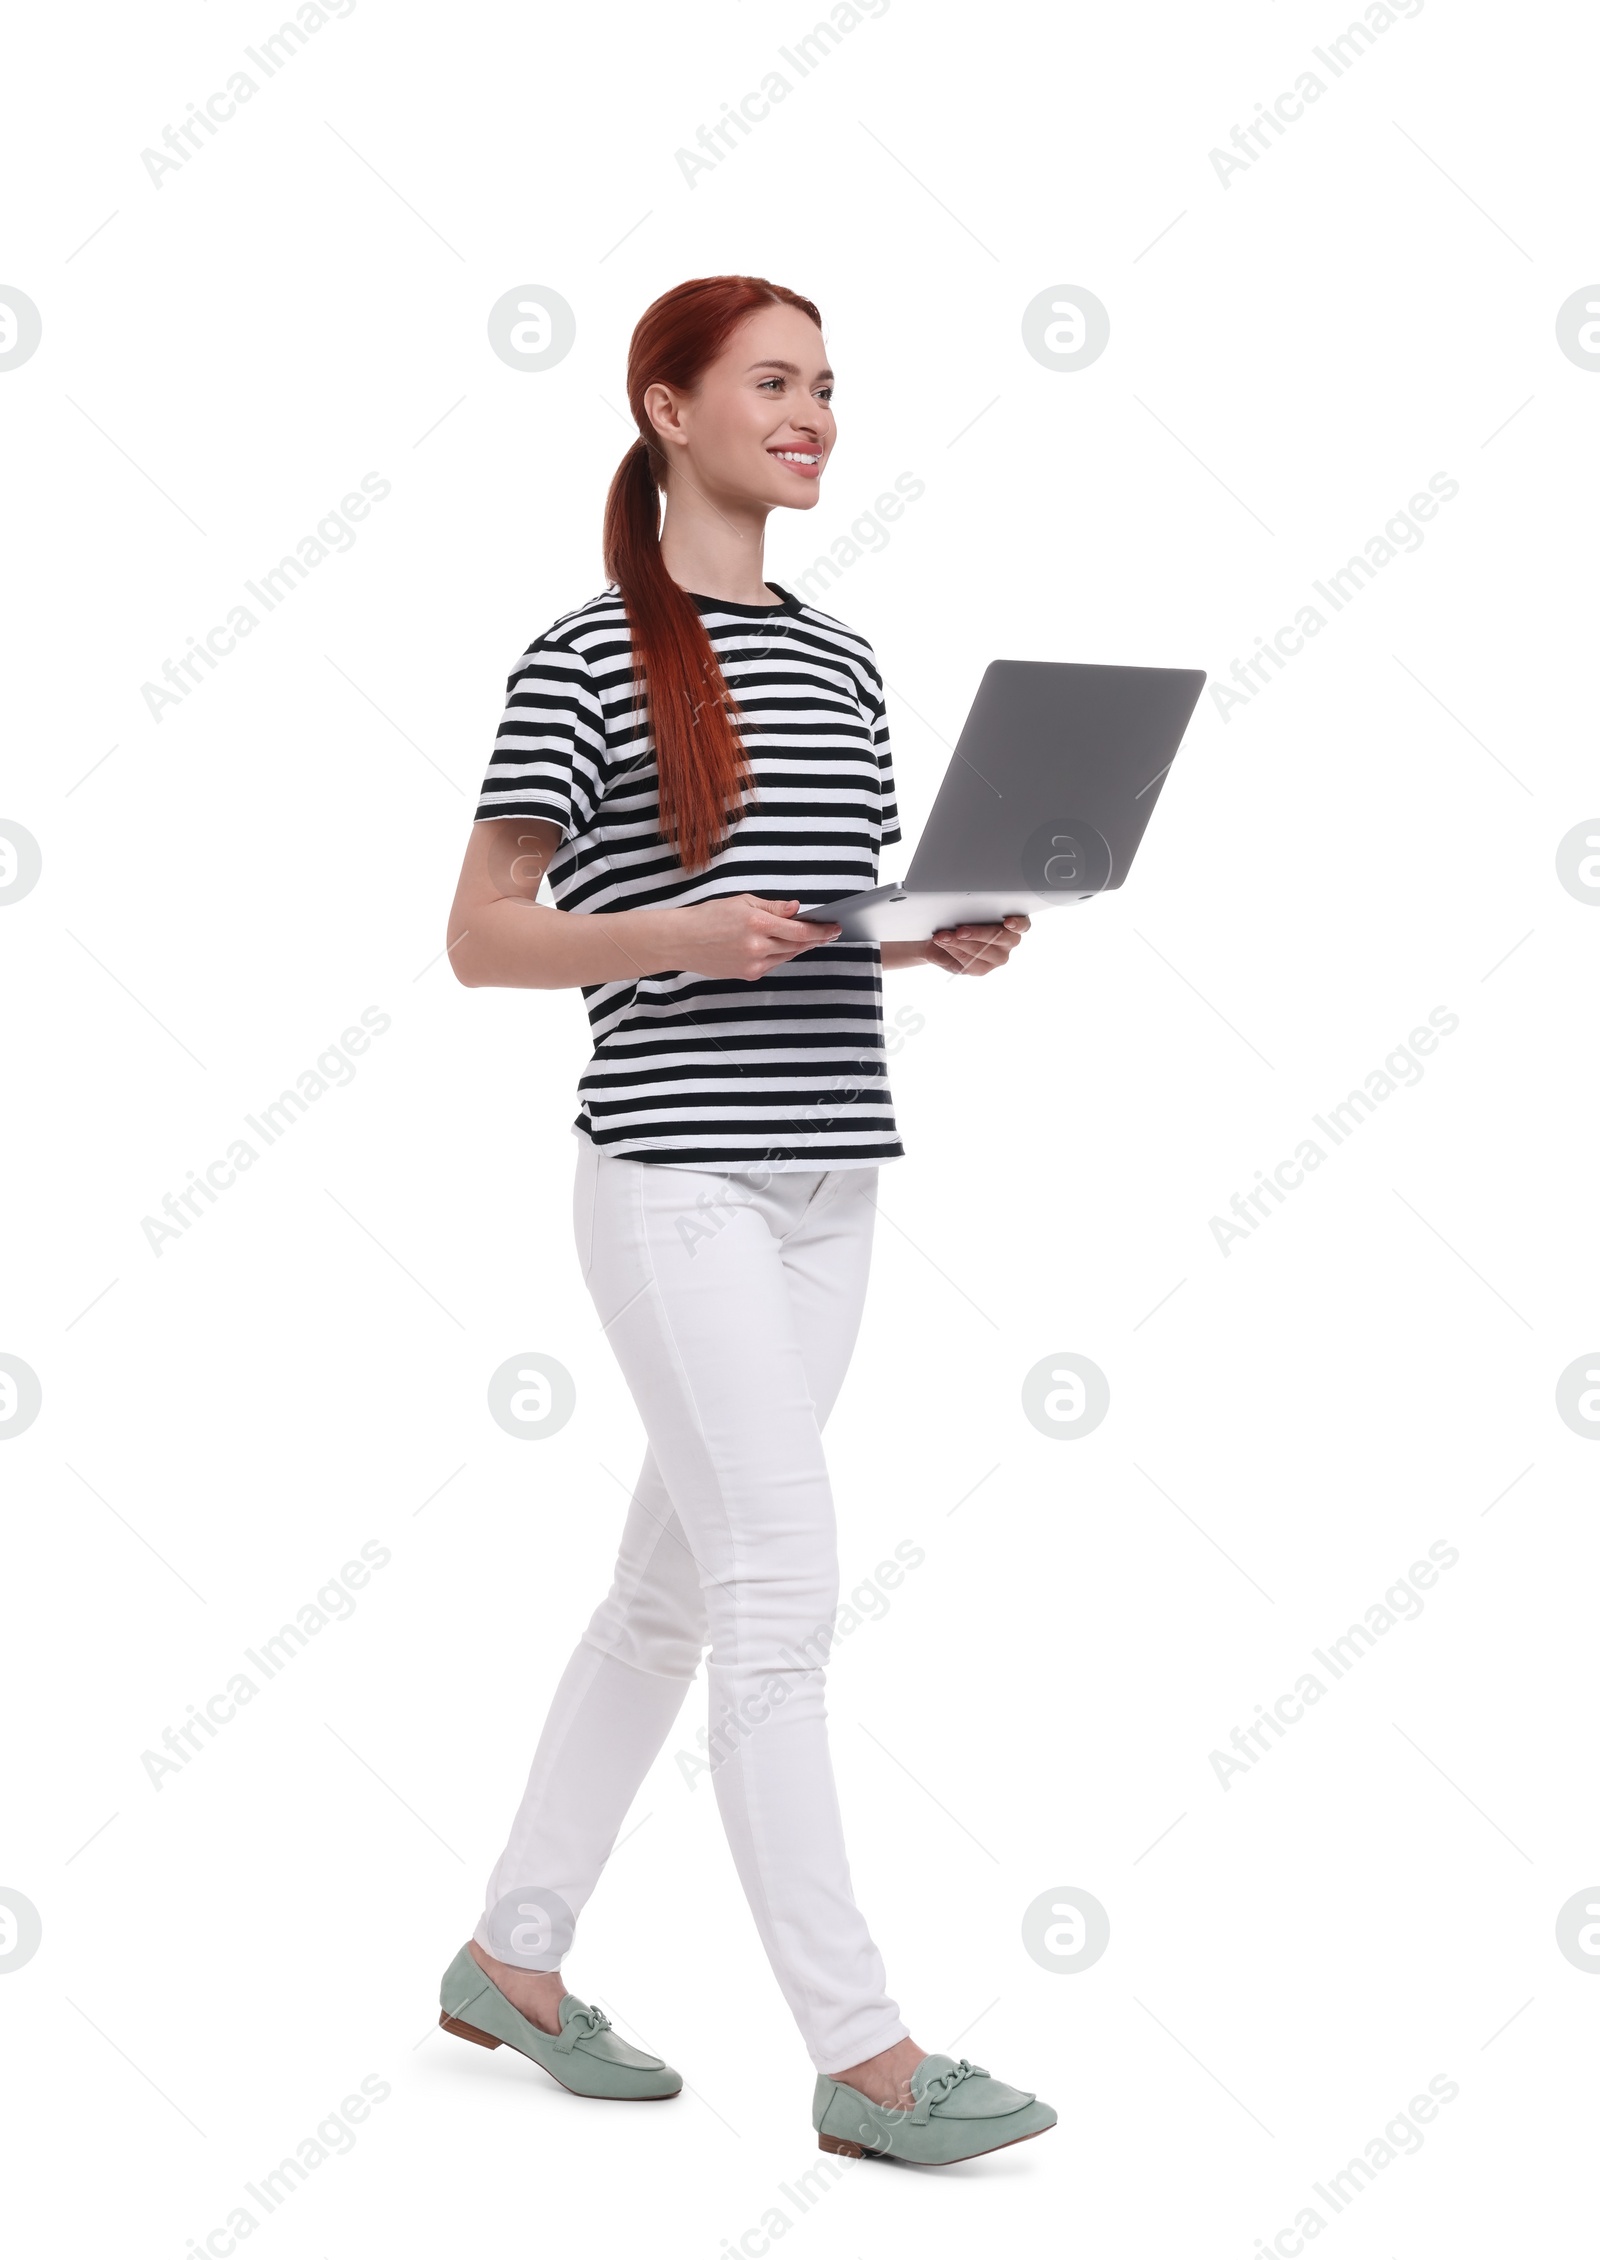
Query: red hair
(700, 759)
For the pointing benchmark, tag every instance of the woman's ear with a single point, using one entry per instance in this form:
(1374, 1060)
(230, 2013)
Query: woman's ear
(662, 408)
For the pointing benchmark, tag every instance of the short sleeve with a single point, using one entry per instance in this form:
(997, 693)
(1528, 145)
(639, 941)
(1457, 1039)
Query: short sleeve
(549, 756)
(888, 805)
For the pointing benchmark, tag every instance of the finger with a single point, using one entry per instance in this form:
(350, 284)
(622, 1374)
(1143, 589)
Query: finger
(803, 933)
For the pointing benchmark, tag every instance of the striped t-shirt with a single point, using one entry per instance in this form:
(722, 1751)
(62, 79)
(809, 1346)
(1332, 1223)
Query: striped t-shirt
(787, 1072)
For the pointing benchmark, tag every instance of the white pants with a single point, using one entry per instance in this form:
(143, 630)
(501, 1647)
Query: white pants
(732, 1300)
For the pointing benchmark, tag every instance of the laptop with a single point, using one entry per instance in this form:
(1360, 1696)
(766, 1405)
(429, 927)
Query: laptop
(1045, 801)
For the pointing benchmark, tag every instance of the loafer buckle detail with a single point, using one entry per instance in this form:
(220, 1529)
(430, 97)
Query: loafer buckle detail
(941, 2085)
(583, 2024)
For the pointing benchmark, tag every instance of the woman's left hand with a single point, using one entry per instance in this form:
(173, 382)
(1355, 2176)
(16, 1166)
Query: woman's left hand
(976, 949)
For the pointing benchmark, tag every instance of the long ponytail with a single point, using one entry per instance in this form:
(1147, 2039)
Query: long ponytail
(700, 759)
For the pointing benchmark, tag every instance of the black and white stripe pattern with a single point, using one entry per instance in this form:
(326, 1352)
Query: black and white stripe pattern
(786, 1072)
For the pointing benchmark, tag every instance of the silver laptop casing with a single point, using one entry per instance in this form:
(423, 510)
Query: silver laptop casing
(1045, 800)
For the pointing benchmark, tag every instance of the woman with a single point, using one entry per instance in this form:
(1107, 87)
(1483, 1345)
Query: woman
(691, 755)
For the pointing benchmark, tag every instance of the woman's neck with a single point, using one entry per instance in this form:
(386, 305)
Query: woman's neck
(715, 548)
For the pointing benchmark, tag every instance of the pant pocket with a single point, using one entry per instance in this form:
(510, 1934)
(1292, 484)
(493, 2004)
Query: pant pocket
(583, 1204)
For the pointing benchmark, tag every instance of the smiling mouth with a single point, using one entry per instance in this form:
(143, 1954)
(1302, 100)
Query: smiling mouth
(805, 462)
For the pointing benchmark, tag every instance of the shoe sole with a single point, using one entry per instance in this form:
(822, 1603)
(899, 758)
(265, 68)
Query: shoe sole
(843, 2149)
(488, 2040)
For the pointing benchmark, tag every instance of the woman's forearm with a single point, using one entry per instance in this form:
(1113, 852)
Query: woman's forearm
(511, 943)
(514, 944)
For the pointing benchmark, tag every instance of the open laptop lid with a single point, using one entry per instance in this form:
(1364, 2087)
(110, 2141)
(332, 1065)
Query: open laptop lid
(1054, 777)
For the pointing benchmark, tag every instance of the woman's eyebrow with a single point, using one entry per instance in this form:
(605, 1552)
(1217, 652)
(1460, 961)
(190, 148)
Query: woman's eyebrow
(789, 368)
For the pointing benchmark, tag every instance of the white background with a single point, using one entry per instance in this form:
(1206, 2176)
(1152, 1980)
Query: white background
(1293, 1956)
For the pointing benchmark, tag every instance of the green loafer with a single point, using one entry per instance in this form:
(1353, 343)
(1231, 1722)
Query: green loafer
(586, 2056)
(959, 2112)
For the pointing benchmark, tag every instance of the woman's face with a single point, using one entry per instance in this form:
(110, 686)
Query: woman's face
(759, 427)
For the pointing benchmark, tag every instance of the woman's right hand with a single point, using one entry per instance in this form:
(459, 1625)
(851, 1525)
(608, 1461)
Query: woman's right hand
(740, 937)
